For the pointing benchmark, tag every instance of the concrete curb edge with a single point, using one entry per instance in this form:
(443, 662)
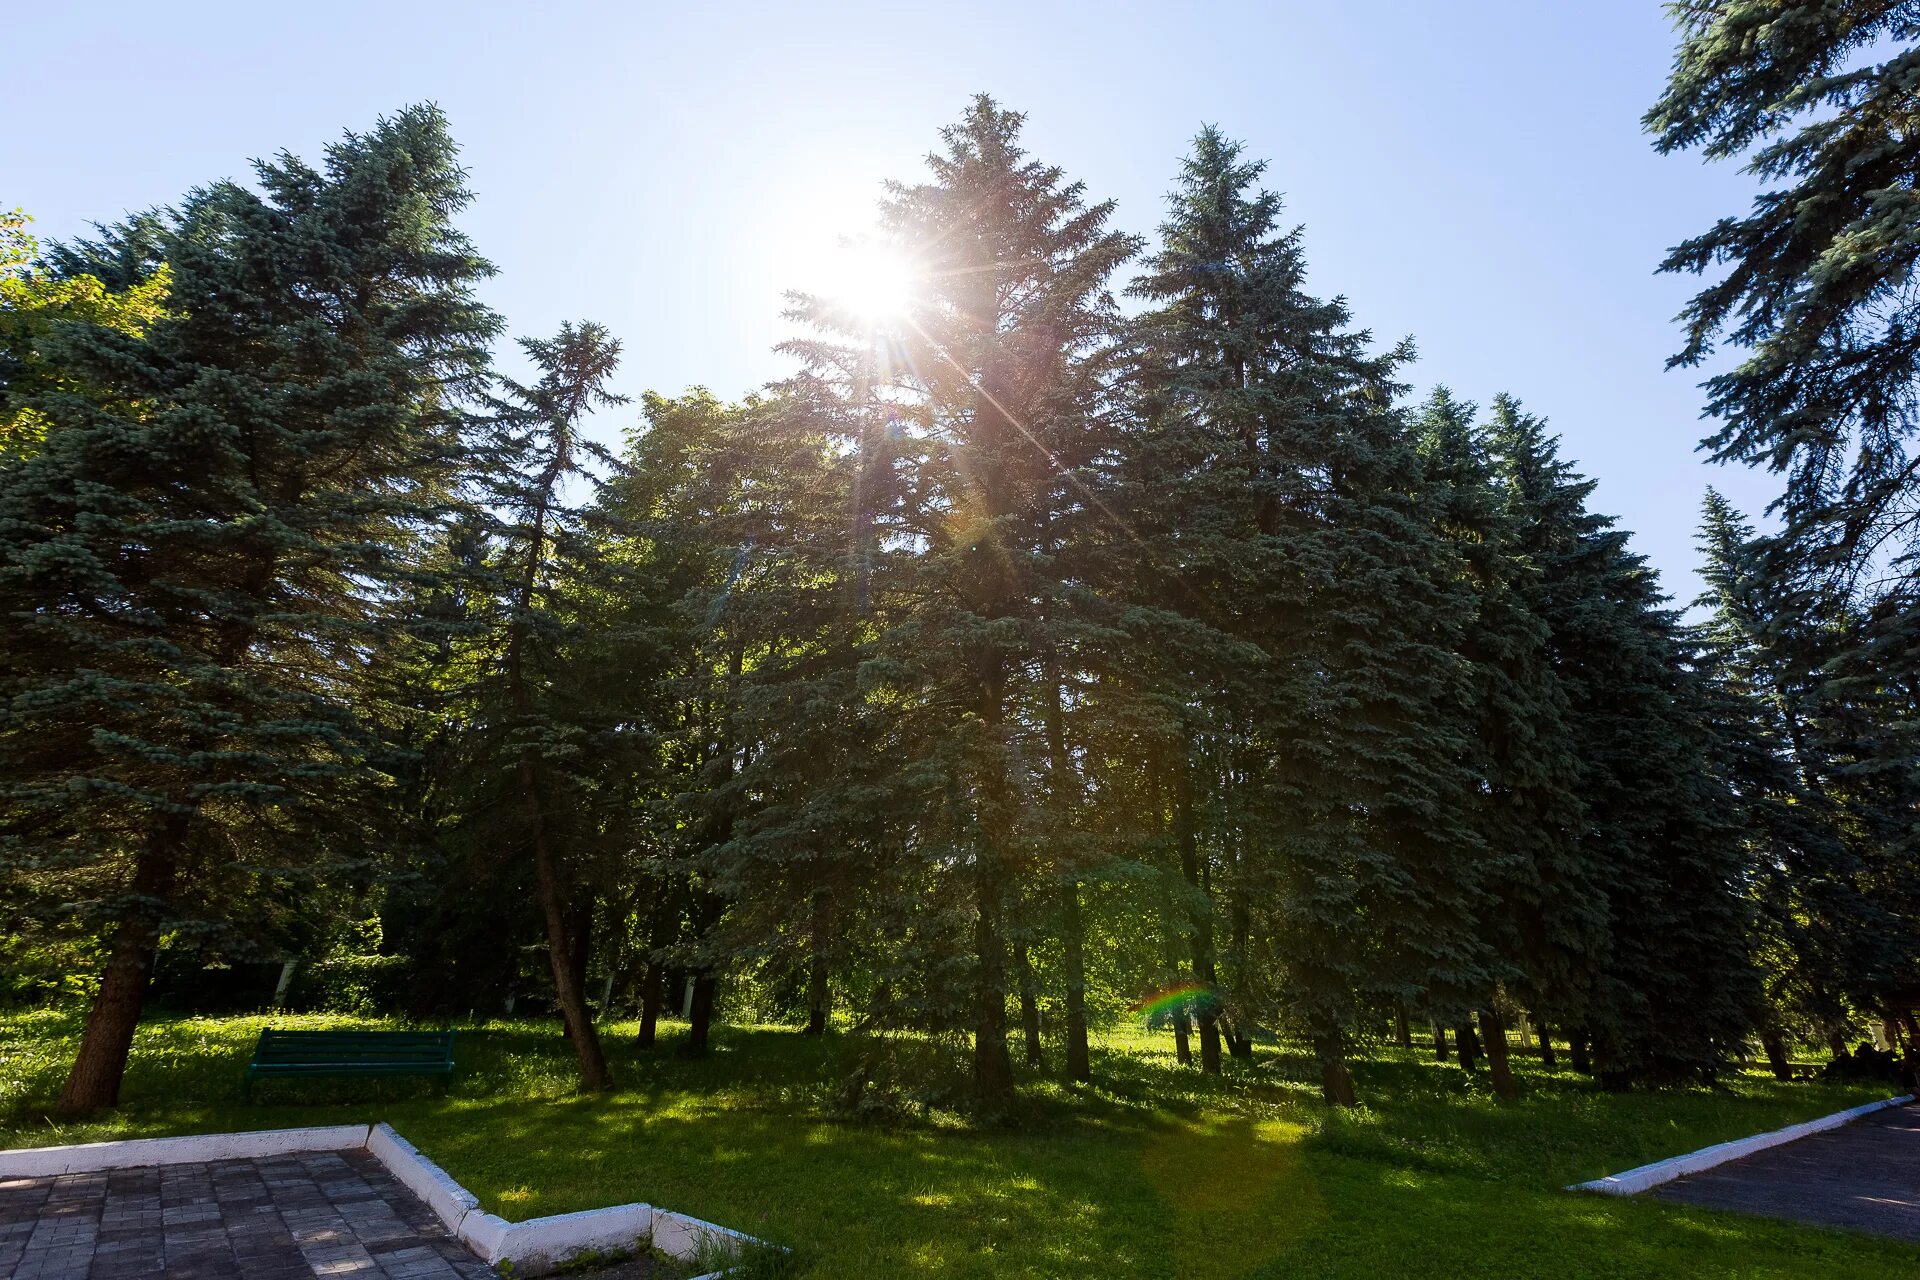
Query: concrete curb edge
(534, 1243)
(1647, 1176)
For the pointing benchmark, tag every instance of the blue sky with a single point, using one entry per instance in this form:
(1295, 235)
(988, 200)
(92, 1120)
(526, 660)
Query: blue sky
(1471, 172)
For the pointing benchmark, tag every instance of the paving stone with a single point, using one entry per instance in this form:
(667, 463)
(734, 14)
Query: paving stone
(333, 1214)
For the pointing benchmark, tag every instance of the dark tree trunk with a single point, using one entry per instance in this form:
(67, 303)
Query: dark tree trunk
(99, 1066)
(1837, 1041)
(1062, 789)
(1582, 1060)
(561, 946)
(1239, 1046)
(1494, 1033)
(819, 992)
(1187, 838)
(1402, 1030)
(1440, 1052)
(580, 930)
(652, 982)
(1182, 1047)
(653, 979)
(992, 1064)
(1545, 1033)
(1073, 936)
(1336, 1082)
(700, 1016)
(1029, 1005)
(1777, 1061)
(1469, 1046)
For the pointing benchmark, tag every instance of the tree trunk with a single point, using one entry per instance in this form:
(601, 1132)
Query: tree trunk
(1545, 1033)
(548, 889)
(1777, 1061)
(561, 948)
(1239, 1046)
(700, 1014)
(1073, 936)
(1440, 1043)
(992, 1064)
(1494, 1033)
(1469, 1046)
(1029, 1004)
(1060, 792)
(1336, 1082)
(580, 931)
(99, 1066)
(1187, 838)
(652, 982)
(1577, 1052)
(1402, 1031)
(819, 993)
(1182, 1047)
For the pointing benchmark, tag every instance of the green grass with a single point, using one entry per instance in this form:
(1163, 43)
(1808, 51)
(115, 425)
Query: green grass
(1156, 1171)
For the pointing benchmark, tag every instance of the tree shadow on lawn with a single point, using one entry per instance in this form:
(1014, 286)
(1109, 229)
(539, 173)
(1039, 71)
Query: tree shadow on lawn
(1147, 1199)
(1404, 1223)
(1154, 1170)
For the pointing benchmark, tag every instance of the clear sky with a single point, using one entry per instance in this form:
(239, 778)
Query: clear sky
(1470, 172)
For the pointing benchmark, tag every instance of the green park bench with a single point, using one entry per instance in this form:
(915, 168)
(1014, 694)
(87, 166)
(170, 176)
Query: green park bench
(350, 1053)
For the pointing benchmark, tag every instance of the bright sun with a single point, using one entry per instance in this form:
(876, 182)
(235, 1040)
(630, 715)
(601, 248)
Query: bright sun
(872, 281)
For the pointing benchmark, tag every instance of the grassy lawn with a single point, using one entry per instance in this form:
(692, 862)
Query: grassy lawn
(1153, 1172)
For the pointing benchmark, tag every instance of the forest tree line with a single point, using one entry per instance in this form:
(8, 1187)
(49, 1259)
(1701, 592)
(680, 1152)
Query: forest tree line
(1113, 620)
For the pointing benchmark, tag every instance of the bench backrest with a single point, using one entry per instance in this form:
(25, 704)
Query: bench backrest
(408, 1048)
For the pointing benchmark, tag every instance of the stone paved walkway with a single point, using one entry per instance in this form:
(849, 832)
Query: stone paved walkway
(333, 1214)
(1864, 1176)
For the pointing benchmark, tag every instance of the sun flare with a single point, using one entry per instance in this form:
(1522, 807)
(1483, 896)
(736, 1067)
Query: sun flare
(871, 281)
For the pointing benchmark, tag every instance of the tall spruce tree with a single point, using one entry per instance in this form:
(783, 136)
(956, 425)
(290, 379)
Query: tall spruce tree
(1833, 941)
(1674, 993)
(1281, 513)
(547, 559)
(192, 564)
(1817, 291)
(1545, 918)
(993, 387)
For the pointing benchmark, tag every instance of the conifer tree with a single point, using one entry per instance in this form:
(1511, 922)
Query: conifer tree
(1545, 917)
(1817, 292)
(993, 382)
(547, 558)
(1830, 940)
(1283, 496)
(192, 563)
(1673, 994)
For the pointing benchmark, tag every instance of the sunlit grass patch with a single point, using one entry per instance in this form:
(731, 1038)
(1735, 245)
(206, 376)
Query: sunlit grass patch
(1153, 1170)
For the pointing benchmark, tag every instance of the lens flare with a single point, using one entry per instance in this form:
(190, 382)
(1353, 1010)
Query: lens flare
(872, 281)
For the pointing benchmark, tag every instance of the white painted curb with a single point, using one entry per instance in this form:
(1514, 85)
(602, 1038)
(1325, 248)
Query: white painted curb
(534, 1244)
(1647, 1176)
(134, 1153)
(447, 1198)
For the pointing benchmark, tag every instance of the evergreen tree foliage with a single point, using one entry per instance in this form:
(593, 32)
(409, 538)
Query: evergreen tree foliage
(530, 723)
(1287, 500)
(34, 303)
(1817, 292)
(1545, 918)
(1673, 994)
(994, 386)
(1830, 900)
(194, 562)
(1016, 660)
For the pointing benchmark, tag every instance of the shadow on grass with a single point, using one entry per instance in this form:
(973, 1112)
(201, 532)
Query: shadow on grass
(1154, 1170)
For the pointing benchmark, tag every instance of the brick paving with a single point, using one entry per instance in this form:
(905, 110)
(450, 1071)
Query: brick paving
(1864, 1176)
(331, 1213)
